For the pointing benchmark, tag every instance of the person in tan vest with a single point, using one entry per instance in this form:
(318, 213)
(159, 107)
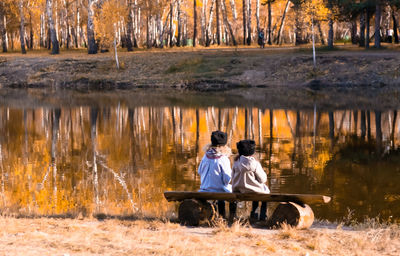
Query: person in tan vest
(249, 176)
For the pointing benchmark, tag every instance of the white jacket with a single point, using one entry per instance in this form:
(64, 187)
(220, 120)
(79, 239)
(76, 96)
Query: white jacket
(215, 172)
(249, 176)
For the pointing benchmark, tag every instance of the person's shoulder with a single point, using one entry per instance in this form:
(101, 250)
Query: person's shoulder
(254, 162)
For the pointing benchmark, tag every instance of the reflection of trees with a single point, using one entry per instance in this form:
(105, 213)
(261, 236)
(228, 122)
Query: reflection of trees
(362, 177)
(115, 156)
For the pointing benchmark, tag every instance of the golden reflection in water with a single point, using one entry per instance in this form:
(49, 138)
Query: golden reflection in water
(119, 161)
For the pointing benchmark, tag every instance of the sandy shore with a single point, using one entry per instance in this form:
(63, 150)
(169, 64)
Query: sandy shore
(46, 236)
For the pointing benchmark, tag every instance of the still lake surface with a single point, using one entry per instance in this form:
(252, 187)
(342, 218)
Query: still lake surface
(118, 159)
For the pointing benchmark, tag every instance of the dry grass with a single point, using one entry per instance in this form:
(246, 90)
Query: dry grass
(115, 237)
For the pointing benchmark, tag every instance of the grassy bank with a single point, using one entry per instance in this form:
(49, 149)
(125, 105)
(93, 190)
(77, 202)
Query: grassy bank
(45, 236)
(203, 69)
(270, 78)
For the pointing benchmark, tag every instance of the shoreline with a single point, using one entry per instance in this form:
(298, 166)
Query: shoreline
(271, 78)
(203, 70)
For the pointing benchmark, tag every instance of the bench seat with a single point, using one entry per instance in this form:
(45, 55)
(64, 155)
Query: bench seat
(296, 198)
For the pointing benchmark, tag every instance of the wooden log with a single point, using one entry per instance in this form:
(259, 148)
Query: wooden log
(295, 215)
(297, 198)
(192, 212)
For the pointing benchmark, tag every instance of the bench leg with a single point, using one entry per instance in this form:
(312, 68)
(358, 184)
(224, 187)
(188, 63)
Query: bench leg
(191, 212)
(295, 215)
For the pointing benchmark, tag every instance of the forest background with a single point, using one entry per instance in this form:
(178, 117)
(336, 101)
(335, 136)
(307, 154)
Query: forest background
(100, 25)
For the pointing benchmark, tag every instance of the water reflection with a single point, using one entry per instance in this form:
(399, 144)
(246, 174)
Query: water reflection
(119, 160)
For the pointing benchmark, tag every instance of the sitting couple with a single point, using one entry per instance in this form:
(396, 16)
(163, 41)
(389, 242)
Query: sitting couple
(247, 175)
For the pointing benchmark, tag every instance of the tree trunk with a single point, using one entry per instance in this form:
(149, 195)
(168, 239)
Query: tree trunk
(226, 21)
(22, 27)
(210, 18)
(203, 22)
(395, 28)
(30, 32)
(136, 24)
(321, 34)
(354, 31)
(233, 7)
(299, 24)
(244, 22)
(362, 29)
(55, 48)
(192, 212)
(160, 28)
(164, 29)
(194, 22)
(171, 43)
(269, 23)
(3, 28)
(92, 47)
(258, 15)
(68, 29)
(292, 214)
(129, 29)
(278, 38)
(249, 22)
(148, 40)
(218, 22)
(367, 32)
(378, 12)
(178, 40)
(330, 24)
(42, 30)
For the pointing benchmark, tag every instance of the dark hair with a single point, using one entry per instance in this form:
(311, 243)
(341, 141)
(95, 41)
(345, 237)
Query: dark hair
(246, 147)
(219, 138)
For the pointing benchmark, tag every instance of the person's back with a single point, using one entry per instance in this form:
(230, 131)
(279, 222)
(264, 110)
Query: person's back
(249, 176)
(215, 170)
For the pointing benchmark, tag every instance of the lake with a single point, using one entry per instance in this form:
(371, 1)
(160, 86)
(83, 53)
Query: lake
(117, 154)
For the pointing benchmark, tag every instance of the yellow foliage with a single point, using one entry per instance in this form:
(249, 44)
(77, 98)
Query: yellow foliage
(315, 10)
(107, 18)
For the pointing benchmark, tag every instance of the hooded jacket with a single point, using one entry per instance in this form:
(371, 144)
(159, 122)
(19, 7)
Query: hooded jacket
(249, 176)
(215, 171)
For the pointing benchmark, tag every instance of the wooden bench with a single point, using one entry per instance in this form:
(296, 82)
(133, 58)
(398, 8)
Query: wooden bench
(293, 208)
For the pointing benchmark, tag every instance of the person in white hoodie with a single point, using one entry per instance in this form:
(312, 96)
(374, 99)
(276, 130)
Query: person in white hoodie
(215, 168)
(249, 176)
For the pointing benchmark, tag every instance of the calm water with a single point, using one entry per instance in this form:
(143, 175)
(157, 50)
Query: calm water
(116, 159)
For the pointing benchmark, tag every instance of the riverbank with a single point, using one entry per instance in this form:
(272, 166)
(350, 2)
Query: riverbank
(48, 236)
(270, 78)
(203, 69)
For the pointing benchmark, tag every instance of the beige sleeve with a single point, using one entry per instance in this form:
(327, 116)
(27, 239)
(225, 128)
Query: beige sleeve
(260, 174)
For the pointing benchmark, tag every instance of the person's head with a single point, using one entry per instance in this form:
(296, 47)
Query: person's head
(246, 147)
(219, 139)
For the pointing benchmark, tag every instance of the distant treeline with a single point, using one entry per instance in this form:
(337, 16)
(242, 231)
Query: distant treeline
(99, 24)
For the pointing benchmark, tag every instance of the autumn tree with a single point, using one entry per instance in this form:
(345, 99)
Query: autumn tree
(22, 26)
(55, 48)
(316, 12)
(3, 26)
(92, 47)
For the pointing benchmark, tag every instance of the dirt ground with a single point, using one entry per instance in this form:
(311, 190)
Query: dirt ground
(272, 77)
(46, 236)
(203, 69)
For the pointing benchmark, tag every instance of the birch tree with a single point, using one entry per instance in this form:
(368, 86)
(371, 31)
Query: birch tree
(226, 21)
(378, 12)
(92, 47)
(22, 26)
(55, 48)
(3, 27)
(194, 22)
